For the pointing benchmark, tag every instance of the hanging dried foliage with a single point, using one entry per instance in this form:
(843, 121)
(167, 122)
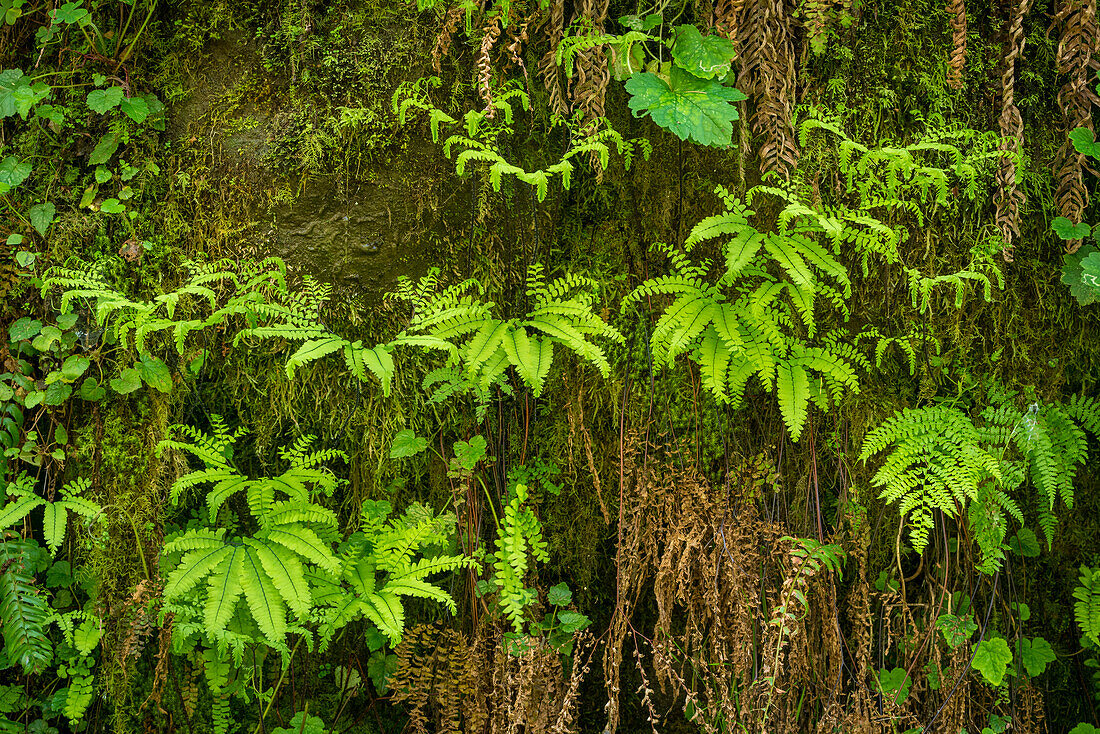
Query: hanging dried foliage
(766, 46)
(548, 66)
(442, 45)
(726, 16)
(452, 686)
(485, 64)
(1077, 47)
(593, 75)
(957, 63)
(1009, 197)
(716, 571)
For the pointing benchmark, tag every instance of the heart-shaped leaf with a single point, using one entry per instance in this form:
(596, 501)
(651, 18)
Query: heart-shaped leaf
(101, 100)
(1084, 143)
(1067, 230)
(991, 659)
(407, 443)
(706, 57)
(691, 108)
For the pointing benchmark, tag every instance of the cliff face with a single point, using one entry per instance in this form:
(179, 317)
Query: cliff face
(702, 366)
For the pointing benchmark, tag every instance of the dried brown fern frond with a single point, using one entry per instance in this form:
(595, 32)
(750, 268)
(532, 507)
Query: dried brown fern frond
(442, 45)
(1077, 47)
(726, 16)
(766, 46)
(439, 679)
(593, 75)
(1009, 198)
(491, 33)
(548, 66)
(957, 64)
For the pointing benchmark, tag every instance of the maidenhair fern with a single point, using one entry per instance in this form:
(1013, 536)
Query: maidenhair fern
(478, 141)
(266, 568)
(55, 515)
(757, 318)
(1087, 607)
(385, 560)
(562, 314)
(519, 536)
(939, 460)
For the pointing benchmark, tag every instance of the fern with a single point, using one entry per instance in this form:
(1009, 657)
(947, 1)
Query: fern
(267, 569)
(939, 459)
(1087, 607)
(455, 321)
(747, 321)
(24, 613)
(55, 515)
(380, 566)
(519, 534)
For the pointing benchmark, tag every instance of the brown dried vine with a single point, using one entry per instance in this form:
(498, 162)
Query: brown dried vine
(442, 45)
(1077, 47)
(766, 46)
(548, 66)
(485, 64)
(593, 75)
(957, 63)
(1009, 197)
(453, 686)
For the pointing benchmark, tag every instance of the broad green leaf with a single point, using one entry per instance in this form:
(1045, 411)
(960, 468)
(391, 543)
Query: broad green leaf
(101, 100)
(155, 373)
(570, 622)
(1067, 230)
(74, 366)
(1084, 729)
(127, 382)
(104, 149)
(991, 659)
(52, 113)
(90, 389)
(305, 723)
(112, 206)
(706, 57)
(894, 684)
(1024, 543)
(57, 393)
(24, 328)
(46, 338)
(469, 454)
(135, 108)
(41, 215)
(1086, 291)
(380, 667)
(1084, 143)
(1035, 655)
(66, 321)
(691, 108)
(956, 630)
(407, 443)
(19, 93)
(70, 12)
(13, 240)
(559, 595)
(13, 172)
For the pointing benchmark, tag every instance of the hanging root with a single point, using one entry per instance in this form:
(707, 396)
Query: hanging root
(1076, 49)
(767, 75)
(1009, 197)
(957, 64)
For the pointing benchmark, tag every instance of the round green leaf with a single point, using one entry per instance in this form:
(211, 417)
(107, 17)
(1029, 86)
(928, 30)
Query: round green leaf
(1036, 654)
(91, 390)
(127, 382)
(560, 595)
(155, 373)
(57, 393)
(407, 443)
(74, 367)
(706, 57)
(1067, 230)
(991, 659)
(101, 100)
(1024, 543)
(24, 328)
(691, 108)
(112, 206)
